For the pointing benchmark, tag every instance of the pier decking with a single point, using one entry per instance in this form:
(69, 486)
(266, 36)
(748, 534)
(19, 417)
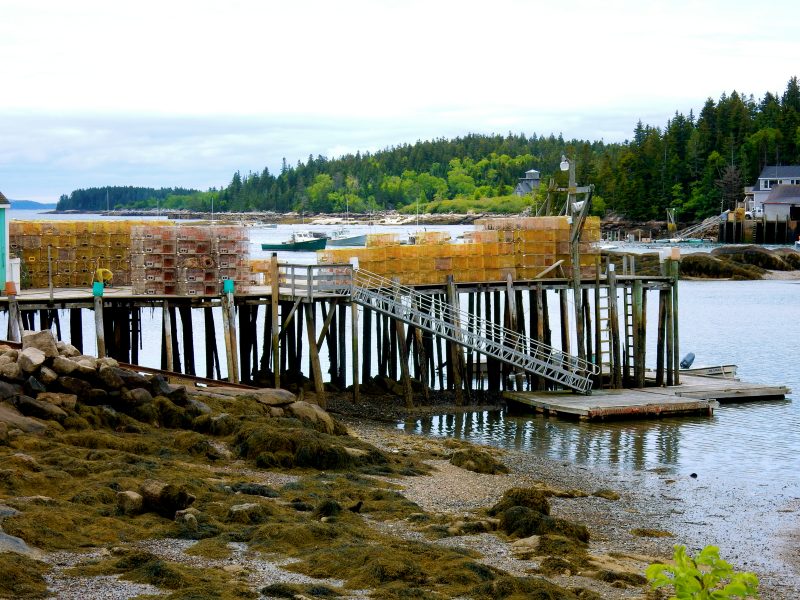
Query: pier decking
(696, 395)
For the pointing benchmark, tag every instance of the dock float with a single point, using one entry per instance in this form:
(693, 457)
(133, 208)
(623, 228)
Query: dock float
(696, 395)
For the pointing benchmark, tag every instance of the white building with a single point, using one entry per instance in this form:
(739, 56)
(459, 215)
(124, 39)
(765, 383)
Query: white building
(772, 176)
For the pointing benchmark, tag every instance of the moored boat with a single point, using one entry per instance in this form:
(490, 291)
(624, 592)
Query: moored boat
(299, 242)
(342, 237)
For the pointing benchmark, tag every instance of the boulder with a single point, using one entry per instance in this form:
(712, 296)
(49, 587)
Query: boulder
(164, 498)
(68, 350)
(10, 543)
(64, 366)
(33, 387)
(6, 359)
(109, 378)
(65, 401)
(107, 361)
(47, 375)
(9, 390)
(10, 371)
(132, 379)
(41, 340)
(195, 407)
(305, 411)
(94, 396)
(73, 385)
(176, 393)
(130, 502)
(136, 396)
(32, 407)
(3, 434)
(269, 397)
(30, 359)
(90, 362)
(250, 513)
(13, 418)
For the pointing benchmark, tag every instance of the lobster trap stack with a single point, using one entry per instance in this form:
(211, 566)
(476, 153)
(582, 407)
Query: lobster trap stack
(189, 260)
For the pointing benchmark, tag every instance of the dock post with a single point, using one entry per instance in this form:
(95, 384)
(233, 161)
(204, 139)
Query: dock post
(366, 363)
(98, 326)
(613, 317)
(422, 353)
(212, 353)
(662, 314)
(400, 332)
(511, 300)
(167, 331)
(639, 329)
(75, 328)
(354, 341)
(14, 321)
(185, 313)
(276, 365)
(456, 355)
(675, 273)
(136, 320)
(564, 312)
(316, 368)
(598, 334)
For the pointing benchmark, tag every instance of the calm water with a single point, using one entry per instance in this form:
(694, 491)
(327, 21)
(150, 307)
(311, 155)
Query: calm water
(753, 324)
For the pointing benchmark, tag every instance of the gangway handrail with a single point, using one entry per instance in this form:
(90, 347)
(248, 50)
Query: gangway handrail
(439, 317)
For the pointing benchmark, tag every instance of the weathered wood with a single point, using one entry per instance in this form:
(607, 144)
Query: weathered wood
(564, 312)
(176, 353)
(166, 331)
(675, 273)
(662, 315)
(212, 353)
(341, 379)
(638, 334)
(75, 326)
(613, 317)
(511, 302)
(541, 299)
(456, 356)
(366, 363)
(275, 293)
(405, 378)
(354, 349)
(424, 372)
(316, 370)
(493, 368)
(245, 343)
(14, 320)
(136, 331)
(98, 326)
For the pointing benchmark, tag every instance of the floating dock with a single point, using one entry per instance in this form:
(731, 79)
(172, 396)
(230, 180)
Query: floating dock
(696, 395)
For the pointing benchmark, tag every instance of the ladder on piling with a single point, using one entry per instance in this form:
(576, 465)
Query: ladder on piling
(437, 316)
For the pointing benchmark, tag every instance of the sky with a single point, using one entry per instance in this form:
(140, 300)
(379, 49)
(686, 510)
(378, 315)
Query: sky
(175, 93)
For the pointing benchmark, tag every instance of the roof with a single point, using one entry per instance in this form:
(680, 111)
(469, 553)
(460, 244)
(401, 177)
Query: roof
(532, 174)
(3, 199)
(784, 194)
(779, 172)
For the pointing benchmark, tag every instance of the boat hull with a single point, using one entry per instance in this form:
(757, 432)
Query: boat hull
(304, 246)
(353, 240)
(728, 371)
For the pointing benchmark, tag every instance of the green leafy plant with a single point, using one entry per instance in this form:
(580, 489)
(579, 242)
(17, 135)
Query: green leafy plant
(703, 577)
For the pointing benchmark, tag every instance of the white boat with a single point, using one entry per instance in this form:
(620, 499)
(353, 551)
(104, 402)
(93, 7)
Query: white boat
(342, 237)
(724, 371)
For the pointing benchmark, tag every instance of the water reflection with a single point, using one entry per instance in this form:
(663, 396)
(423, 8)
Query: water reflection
(675, 443)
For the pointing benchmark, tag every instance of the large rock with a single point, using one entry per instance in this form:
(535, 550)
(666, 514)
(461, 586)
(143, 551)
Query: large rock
(109, 378)
(269, 397)
(6, 359)
(41, 340)
(161, 387)
(32, 407)
(251, 513)
(3, 434)
(47, 375)
(65, 401)
(10, 371)
(305, 411)
(9, 390)
(67, 350)
(30, 359)
(64, 366)
(33, 387)
(130, 502)
(13, 418)
(164, 498)
(136, 397)
(73, 385)
(132, 379)
(95, 396)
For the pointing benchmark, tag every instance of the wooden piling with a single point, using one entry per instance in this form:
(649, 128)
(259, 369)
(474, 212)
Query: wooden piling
(456, 357)
(354, 349)
(276, 369)
(75, 327)
(98, 326)
(166, 328)
(511, 302)
(613, 317)
(366, 363)
(316, 368)
(408, 393)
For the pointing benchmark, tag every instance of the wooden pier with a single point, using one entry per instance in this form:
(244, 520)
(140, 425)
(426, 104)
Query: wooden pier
(695, 395)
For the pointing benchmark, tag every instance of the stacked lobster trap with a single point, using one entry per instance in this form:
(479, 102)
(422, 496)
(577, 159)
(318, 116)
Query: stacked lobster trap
(189, 260)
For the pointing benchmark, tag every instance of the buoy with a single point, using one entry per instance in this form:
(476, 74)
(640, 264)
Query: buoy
(687, 360)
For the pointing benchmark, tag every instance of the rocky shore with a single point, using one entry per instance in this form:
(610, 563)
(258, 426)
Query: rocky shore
(119, 485)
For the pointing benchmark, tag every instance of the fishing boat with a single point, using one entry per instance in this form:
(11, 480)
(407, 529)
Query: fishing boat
(342, 237)
(301, 241)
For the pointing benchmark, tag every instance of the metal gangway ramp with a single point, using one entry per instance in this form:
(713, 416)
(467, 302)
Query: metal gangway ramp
(436, 316)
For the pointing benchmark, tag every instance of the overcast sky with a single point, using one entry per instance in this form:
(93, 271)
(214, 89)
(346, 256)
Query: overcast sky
(184, 93)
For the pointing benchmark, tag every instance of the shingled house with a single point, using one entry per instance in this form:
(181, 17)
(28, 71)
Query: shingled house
(528, 184)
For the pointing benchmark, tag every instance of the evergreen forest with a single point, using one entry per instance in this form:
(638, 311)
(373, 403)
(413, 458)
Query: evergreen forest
(696, 164)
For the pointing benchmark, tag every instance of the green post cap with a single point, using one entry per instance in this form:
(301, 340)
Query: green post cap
(97, 289)
(227, 286)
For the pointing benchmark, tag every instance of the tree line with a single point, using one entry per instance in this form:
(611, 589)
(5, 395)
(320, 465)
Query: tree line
(696, 164)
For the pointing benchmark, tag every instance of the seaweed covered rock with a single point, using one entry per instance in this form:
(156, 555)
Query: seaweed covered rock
(478, 461)
(164, 498)
(706, 266)
(528, 497)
